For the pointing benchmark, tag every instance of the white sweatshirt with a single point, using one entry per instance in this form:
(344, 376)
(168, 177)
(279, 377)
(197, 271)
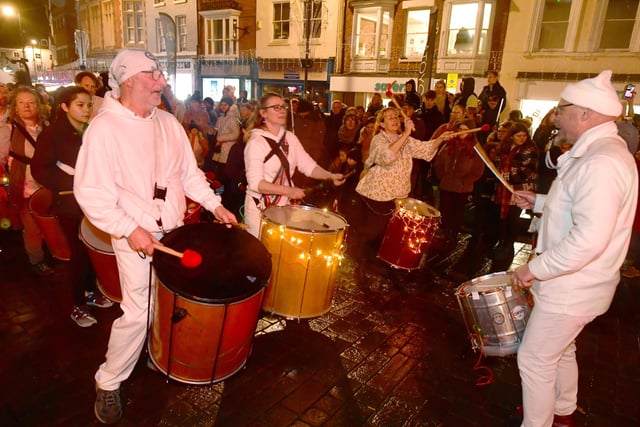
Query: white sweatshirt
(116, 170)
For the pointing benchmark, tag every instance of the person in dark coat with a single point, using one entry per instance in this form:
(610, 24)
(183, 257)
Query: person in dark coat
(53, 166)
(411, 95)
(332, 124)
(493, 88)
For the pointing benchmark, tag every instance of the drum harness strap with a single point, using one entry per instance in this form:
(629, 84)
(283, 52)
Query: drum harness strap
(24, 159)
(160, 186)
(281, 150)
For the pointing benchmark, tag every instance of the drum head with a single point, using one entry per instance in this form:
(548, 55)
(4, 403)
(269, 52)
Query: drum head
(305, 218)
(235, 265)
(95, 238)
(486, 283)
(417, 206)
(40, 203)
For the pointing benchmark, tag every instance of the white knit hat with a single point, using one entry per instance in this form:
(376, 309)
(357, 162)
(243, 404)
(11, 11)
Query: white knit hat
(596, 94)
(130, 62)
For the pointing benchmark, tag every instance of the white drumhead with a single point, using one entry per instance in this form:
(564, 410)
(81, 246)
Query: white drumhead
(305, 218)
(417, 206)
(489, 282)
(95, 238)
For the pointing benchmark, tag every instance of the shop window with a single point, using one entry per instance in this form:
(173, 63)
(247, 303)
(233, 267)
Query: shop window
(468, 27)
(133, 22)
(416, 34)
(619, 19)
(221, 34)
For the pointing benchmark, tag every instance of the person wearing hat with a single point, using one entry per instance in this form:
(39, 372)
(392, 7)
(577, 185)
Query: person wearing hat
(130, 153)
(583, 238)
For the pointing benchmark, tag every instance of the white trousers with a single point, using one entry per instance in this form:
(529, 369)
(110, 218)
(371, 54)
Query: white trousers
(128, 332)
(548, 367)
(252, 216)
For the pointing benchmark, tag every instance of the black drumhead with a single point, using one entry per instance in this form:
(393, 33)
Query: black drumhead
(235, 265)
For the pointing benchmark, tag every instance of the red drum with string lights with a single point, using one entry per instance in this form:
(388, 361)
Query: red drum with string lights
(409, 233)
(495, 313)
(103, 259)
(205, 315)
(40, 207)
(306, 248)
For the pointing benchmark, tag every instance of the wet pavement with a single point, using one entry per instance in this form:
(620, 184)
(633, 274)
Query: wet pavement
(392, 351)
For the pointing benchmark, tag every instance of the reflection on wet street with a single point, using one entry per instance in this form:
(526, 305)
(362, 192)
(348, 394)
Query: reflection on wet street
(392, 351)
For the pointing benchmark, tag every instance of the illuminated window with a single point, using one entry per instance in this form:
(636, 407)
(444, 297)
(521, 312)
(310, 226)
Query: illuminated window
(417, 33)
(372, 28)
(469, 24)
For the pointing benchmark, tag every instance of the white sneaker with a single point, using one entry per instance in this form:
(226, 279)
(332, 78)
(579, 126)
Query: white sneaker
(82, 317)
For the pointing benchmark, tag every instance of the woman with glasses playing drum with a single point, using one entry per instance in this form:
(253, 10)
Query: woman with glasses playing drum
(271, 156)
(387, 178)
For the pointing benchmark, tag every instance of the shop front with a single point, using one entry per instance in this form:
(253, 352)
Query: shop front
(358, 90)
(287, 78)
(215, 75)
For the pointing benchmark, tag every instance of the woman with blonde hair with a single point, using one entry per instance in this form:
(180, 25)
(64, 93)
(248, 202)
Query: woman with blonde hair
(387, 178)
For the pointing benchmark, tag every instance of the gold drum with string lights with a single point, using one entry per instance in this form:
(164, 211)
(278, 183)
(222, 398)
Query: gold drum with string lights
(409, 233)
(306, 247)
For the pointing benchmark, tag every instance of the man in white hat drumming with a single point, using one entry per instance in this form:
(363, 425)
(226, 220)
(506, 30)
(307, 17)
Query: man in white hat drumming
(133, 171)
(583, 240)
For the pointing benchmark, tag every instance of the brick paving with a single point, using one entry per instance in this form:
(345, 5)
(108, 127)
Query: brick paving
(391, 352)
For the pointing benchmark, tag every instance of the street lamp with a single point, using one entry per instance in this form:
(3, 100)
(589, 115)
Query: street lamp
(11, 11)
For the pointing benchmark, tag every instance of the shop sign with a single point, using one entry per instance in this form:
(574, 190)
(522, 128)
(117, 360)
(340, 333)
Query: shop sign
(291, 76)
(386, 87)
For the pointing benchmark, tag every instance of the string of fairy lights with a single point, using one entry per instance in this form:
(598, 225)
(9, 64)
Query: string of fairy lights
(418, 227)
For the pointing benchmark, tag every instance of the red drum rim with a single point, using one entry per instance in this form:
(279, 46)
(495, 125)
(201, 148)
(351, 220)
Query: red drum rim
(286, 216)
(235, 264)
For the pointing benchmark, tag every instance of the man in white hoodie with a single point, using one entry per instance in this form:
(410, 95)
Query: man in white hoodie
(134, 169)
(582, 242)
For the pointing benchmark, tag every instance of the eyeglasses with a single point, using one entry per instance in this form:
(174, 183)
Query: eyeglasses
(277, 107)
(556, 110)
(155, 74)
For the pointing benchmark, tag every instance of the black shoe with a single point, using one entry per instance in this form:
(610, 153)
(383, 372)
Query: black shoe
(42, 269)
(107, 407)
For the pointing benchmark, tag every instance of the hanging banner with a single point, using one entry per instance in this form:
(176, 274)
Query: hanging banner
(169, 35)
(426, 65)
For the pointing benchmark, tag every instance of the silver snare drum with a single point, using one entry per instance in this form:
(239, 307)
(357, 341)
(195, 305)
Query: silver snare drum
(494, 313)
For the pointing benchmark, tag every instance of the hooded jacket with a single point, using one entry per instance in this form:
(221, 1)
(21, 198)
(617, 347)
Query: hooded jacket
(123, 156)
(412, 96)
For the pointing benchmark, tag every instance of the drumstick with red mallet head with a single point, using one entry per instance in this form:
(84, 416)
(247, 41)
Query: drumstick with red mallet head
(483, 128)
(389, 94)
(189, 258)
